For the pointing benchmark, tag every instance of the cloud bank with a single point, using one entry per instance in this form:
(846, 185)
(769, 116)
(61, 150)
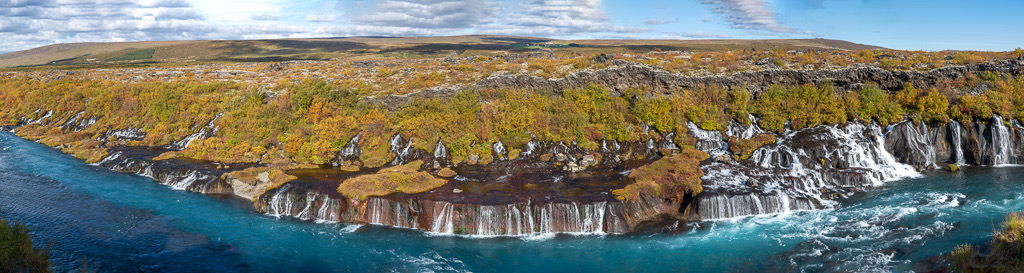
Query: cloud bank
(753, 15)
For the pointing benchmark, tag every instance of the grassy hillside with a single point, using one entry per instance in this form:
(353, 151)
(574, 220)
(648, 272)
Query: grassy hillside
(100, 54)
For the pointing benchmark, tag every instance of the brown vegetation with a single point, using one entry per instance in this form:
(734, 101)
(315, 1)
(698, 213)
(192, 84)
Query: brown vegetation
(403, 178)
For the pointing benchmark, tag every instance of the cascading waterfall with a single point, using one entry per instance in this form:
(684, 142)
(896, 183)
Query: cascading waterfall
(498, 220)
(1001, 149)
(500, 153)
(125, 134)
(711, 142)
(351, 149)
(440, 151)
(443, 223)
(289, 200)
(166, 172)
(401, 148)
(957, 142)
(736, 129)
(805, 169)
(41, 119)
(208, 131)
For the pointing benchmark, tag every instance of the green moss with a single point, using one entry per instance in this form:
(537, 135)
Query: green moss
(953, 168)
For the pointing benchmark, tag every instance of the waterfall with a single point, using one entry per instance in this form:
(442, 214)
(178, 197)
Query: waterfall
(125, 134)
(351, 149)
(1001, 149)
(206, 132)
(711, 142)
(185, 142)
(280, 203)
(804, 169)
(500, 153)
(443, 220)
(498, 220)
(668, 143)
(401, 148)
(738, 130)
(956, 133)
(72, 121)
(532, 148)
(726, 206)
(440, 151)
(613, 147)
(306, 205)
(181, 183)
(41, 119)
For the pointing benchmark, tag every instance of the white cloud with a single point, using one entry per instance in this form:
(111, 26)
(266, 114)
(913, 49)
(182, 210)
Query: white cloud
(233, 12)
(31, 23)
(658, 22)
(266, 16)
(320, 18)
(430, 14)
(703, 35)
(559, 18)
(25, 24)
(753, 15)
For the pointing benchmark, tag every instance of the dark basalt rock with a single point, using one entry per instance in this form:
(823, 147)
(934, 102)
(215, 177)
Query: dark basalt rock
(911, 144)
(183, 174)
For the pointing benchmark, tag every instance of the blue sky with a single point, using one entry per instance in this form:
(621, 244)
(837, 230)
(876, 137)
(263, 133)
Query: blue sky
(927, 25)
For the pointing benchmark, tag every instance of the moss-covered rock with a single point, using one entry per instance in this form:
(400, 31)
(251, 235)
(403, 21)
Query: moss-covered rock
(668, 177)
(404, 178)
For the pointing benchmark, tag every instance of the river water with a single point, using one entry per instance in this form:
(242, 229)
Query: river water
(118, 222)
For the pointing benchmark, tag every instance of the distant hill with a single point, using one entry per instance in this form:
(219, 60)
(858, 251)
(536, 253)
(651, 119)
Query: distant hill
(101, 54)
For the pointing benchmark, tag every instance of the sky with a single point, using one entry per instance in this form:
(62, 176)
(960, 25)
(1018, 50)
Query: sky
(897, 24)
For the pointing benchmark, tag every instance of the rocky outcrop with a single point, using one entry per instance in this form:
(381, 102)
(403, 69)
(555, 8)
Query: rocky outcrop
(625, 75)
(180, 174)
(629, 75)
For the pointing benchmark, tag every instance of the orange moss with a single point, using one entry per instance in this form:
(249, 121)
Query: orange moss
(404, 178)
(669, 177)
(743, 148)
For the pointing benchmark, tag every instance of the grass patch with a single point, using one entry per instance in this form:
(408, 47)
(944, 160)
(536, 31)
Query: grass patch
(405, 179)
(142, 54)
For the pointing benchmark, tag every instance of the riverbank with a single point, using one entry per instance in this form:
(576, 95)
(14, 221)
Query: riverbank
(900, 226)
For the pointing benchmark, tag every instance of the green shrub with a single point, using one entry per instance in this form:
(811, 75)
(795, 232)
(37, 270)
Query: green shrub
(17, 254)
(1006, 255)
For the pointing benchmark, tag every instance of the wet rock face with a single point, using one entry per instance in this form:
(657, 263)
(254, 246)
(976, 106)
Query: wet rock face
(180, 174)
(205, 132)
(76, 123)
(912, 144)
(995, 142)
